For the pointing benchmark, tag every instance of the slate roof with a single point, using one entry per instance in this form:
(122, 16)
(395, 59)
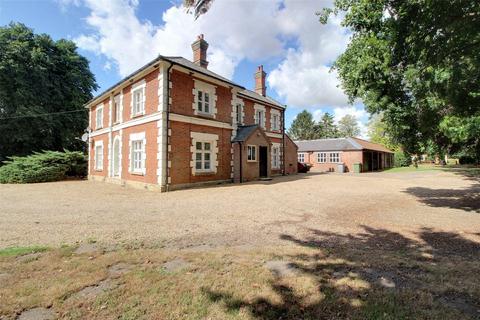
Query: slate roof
(243, 132)
(194, 67)
(339, 144)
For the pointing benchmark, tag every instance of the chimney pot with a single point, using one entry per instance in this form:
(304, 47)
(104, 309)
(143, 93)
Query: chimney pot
(199, 48)
(260, 76)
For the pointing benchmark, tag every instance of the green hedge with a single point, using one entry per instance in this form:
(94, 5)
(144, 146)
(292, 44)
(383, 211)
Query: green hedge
(402, 159)
(43, 167)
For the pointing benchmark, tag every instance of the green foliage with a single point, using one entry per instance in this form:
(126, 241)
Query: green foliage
(303, 127)
(40, 76)
(402, 159)
(378, 132)
(348, 126)
(44, 167)
(19, 251)
(417, 62)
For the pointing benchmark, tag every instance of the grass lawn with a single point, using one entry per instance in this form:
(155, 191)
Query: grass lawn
(17, 251)
(375, 275)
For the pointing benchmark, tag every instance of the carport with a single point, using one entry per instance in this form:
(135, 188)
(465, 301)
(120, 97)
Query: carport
(376, 160)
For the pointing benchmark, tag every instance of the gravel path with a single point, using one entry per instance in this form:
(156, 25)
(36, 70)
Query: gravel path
(252, 214)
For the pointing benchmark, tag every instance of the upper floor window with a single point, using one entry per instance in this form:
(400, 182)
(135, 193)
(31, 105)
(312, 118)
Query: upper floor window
(260, 118)
(238, 113)
(116, 112)
(203, 102)
(203, 156)
(138, 103)
(99, 118)
(301, 157)
(275, 122)
(321, 157)
(251, 153)
(335, 157)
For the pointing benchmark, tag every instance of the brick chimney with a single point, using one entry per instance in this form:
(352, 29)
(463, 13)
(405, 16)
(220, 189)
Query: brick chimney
(260, 76)
(199, 48)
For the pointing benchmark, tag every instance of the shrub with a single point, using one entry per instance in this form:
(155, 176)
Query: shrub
(43, 167)
(402, 159)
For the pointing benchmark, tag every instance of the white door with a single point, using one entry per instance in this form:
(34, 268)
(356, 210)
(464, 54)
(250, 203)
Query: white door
(116, 158)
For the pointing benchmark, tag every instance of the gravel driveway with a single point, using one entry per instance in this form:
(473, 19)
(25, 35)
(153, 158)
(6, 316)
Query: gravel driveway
(251, 214)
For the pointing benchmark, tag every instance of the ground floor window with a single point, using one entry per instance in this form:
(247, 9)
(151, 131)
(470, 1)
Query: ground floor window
(275, 157)
(321, 157)
(301, 157)
(252, 153)
(335, 157)
(99, 156)
(203, 156)
(137, 156)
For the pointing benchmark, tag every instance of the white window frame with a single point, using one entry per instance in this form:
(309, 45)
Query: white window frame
(252, 153)
(322, 157)
(239, 113)
(276, 156)
(301, 157)
(99, 111)
(274, 120)
(117, 109)
(138, 106)
(259, 109)
(203, 151)
(134, 139)
(98, 157)
(212, 139)
(332, 157)
(204, 88)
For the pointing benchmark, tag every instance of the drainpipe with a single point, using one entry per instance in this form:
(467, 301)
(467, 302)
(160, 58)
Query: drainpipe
(241, 161)
(168, 123)
(283, 141)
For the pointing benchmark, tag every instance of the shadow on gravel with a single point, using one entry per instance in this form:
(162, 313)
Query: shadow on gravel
(377, 274)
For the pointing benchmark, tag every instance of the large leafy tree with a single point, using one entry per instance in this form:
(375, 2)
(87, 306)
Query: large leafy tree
(328, 129)
(378, 132)
(303, 127)
(43, 87)
(348, 126)
(415, 61)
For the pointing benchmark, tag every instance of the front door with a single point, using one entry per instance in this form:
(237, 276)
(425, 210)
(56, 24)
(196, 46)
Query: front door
(263, 161)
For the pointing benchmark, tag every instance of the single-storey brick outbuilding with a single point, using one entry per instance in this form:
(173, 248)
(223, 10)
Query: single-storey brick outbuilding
(327, 154)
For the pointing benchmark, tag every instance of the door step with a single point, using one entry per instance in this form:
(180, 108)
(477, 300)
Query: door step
(265, 179)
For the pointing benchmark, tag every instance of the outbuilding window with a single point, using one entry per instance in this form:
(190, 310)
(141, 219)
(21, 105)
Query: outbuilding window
(321, 157)
(252, 153)
(334, 157)
(301, 157)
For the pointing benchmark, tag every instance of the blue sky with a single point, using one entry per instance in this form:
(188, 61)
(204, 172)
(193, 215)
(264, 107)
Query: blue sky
(119, 36)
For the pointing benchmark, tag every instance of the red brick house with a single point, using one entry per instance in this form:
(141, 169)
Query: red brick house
(327, 154)
(174, 123)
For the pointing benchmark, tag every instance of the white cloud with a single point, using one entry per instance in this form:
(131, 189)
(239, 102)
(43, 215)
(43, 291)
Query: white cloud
(304, 78)
(230, 28)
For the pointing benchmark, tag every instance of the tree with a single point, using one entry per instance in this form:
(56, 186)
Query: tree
(328, 127)
(303, 127)
(43, 87)
(378, 132)
(348, 126)
(415, 61)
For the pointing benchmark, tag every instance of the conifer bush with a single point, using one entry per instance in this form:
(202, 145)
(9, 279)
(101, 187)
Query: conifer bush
(44, 167)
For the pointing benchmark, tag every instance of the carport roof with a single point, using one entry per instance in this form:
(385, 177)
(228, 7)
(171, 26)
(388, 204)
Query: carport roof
(339, 144)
